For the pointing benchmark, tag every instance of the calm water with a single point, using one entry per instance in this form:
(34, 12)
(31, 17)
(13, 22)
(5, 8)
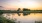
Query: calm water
(31, 18)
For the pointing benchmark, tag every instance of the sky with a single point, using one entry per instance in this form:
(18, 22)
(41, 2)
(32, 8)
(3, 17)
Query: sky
(15, 4)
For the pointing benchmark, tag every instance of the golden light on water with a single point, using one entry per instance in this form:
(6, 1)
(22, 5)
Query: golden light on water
(29, 18)
(30, 4)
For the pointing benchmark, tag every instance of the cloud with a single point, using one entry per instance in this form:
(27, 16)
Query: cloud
(20, 3)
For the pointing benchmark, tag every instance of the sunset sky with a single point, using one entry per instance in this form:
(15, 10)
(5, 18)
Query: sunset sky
(30, 4)
(15, 4)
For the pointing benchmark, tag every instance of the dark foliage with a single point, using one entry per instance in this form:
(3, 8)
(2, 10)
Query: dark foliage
(4, 20)
(26, 9)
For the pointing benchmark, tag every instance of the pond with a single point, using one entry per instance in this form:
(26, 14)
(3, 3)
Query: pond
(30, 18)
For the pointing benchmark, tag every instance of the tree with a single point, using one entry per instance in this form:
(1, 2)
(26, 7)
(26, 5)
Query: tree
(18, 9)
(24, 9)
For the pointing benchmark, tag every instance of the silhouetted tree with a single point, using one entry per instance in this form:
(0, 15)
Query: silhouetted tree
(24, 9)
(18, 9)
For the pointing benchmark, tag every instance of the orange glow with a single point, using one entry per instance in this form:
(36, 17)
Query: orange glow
(22, 4)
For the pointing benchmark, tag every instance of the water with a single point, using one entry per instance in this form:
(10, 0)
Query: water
(31, 18)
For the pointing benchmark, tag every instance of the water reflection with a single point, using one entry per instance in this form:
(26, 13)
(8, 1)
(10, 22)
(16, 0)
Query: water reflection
(24, 14)
(28, 18)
